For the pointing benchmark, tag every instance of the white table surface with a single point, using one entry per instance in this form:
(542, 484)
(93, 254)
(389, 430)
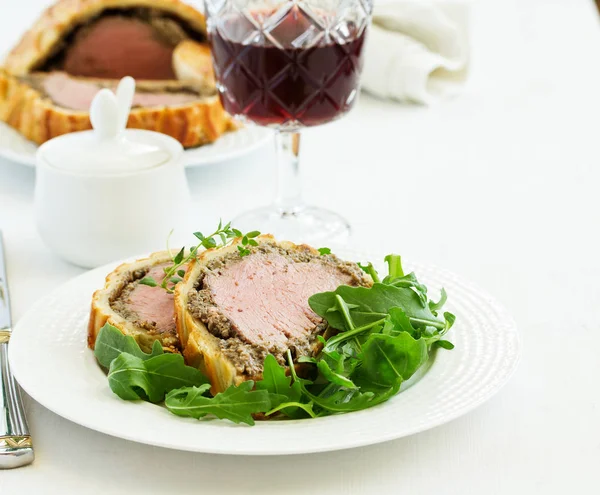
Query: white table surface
(500, 185)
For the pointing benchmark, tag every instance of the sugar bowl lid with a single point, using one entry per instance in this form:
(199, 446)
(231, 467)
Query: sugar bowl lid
(109, 148)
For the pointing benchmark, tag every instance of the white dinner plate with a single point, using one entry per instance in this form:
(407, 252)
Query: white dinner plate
(51, 361)
(14, 147)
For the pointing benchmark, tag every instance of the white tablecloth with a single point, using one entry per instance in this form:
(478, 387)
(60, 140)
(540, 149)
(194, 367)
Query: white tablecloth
(500, 185)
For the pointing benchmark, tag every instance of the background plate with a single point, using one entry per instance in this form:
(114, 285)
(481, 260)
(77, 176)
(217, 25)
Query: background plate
(231, 145)
(50, 360)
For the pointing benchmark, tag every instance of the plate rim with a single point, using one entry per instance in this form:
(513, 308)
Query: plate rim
(262, 136)
(382, 435)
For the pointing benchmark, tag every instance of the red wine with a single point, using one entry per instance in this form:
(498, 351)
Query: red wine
(289, 85)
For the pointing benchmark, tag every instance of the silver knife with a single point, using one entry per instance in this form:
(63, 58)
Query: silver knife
(16, 448)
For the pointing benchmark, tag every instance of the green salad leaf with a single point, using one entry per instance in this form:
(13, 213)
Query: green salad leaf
(277, 383)
(110, 343)
(372, 304)
(337, 375)
(132, 378)
(341, 400)
(284, 391)
(389, 359)
(236, 404)
(134, 374)
(369, 269)
(395, 269)
(398, 322)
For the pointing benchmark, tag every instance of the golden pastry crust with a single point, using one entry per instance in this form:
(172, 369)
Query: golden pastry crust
(35, 116)
(102, 312)
(40, 42)
(192, 61)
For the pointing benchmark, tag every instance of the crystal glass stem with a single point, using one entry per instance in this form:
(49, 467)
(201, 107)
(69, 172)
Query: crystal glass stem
(289, 190)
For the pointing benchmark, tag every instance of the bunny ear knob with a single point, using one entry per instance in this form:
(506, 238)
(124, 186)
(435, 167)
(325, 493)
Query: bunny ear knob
(109, 112)
(104, 114)
(125, 94)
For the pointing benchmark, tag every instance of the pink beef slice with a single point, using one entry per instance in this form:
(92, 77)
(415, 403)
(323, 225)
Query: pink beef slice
(154, 304)
(76, 94)
(148, 307)
(114, 47)
(265, 295)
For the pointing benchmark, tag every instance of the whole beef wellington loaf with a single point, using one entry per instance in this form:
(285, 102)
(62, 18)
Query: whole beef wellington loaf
(232, 311)
(80, 46)
(146, 313)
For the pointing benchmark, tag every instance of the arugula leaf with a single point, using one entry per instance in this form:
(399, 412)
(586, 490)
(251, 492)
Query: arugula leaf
(335, 377)
(284, 391)
(370, 269)
(394, 262)
(236, 404)
(351, 349)
(388, 360)
(344, 308)
(368, 305)
(342, 400)
(355, 336)
(397, 278)
(380, 394)
(293, 407)
(410, 282)
(324, 250)
(444, 344)
(450, 319)
(134, 383)
(110, 343)
(335, 398)
(132, 378)
(435, 306)
(398, 322)
(276, 382)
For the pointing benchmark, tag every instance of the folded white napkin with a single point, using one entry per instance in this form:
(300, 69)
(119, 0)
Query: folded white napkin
(417, 51)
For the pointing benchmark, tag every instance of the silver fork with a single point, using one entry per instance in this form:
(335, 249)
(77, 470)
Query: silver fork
(16, 448)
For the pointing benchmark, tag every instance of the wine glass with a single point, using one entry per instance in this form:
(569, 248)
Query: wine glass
(289, 64)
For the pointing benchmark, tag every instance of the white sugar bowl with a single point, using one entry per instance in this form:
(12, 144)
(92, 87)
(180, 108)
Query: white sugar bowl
(110, 193)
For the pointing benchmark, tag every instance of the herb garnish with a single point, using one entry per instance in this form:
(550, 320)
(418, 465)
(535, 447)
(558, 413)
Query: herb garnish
(385, 333)
(221, 237)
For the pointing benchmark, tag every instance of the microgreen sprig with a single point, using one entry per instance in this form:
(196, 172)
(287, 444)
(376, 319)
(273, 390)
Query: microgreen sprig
(247, 240)
(222, 236)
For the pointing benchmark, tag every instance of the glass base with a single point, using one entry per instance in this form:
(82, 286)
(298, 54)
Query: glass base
(310, 225)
